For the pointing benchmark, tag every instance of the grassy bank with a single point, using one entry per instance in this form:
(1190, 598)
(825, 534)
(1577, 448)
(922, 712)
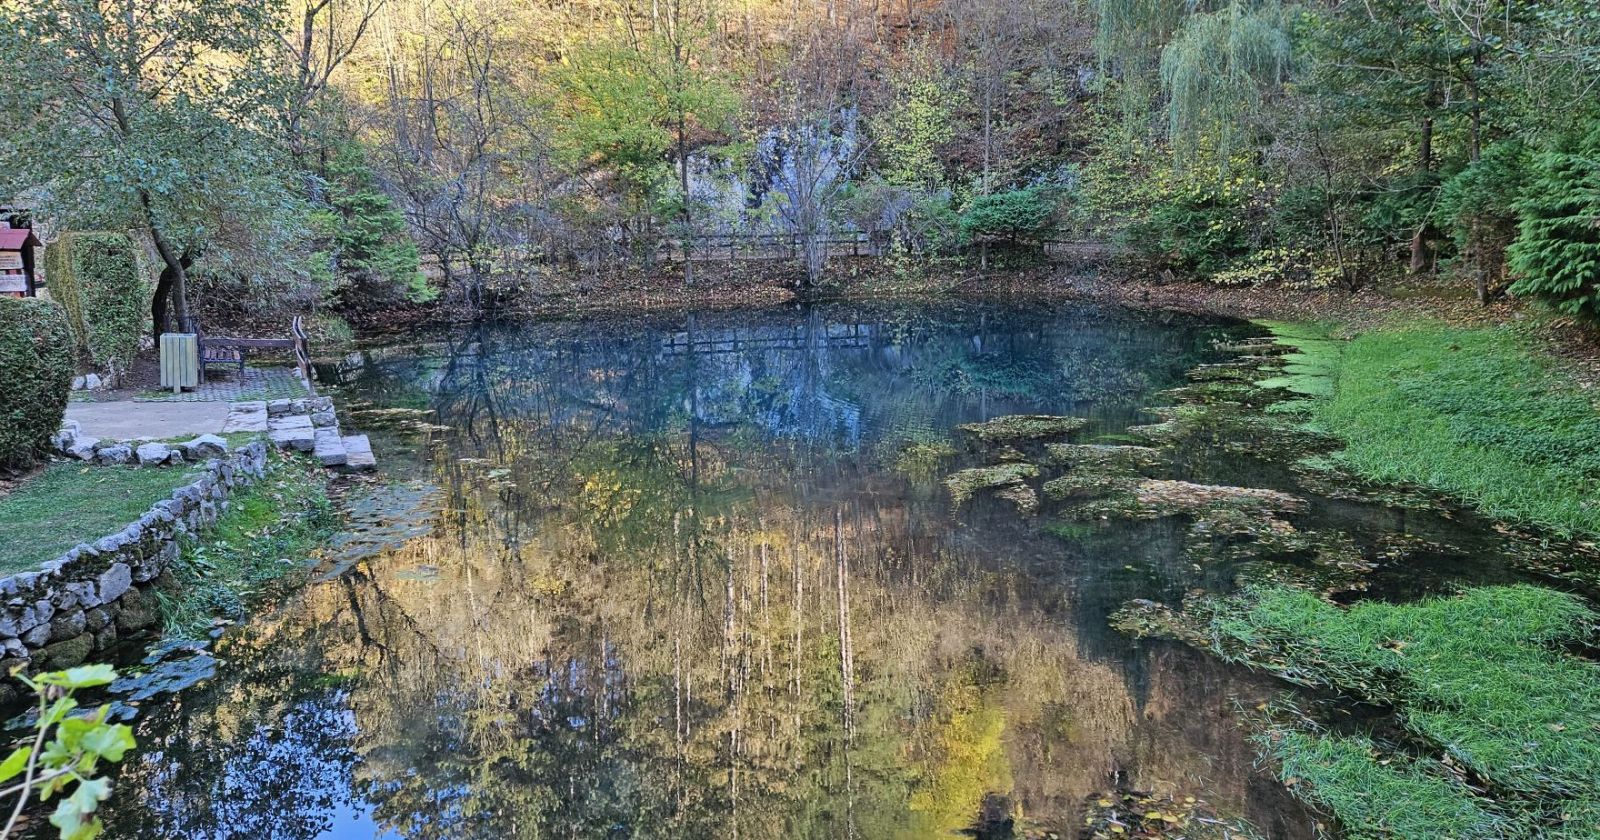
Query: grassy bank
(1501, 723)
(1478, 413)
(269, 531)
(67, 504)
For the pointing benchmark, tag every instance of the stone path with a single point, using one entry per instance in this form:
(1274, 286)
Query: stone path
(304, 425)
(257, 384)
(126, 420)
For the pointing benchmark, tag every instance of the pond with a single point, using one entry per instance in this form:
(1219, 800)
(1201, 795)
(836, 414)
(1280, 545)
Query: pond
(701, 576)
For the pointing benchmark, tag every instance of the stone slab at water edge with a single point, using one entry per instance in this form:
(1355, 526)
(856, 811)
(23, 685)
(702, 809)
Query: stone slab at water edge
(92, 595)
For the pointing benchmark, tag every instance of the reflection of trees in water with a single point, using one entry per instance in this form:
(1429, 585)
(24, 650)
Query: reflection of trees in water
(642, 621)
(830, 376)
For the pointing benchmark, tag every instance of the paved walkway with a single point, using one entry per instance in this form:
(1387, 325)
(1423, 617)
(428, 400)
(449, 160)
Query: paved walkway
(277, 383)
(129, 420)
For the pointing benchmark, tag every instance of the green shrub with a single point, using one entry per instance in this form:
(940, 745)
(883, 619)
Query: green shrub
(98, 279)
(1014, 214)
(35, 376)
(1557, 251)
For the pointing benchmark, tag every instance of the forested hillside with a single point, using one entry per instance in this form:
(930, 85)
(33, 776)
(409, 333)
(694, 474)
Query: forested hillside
(307, 153)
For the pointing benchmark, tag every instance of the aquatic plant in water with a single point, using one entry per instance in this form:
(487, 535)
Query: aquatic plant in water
(966, 483)
(1013, 427)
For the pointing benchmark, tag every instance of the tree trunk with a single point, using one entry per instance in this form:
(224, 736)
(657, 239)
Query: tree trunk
(683, 186)
(1420, 255)
(173, 286)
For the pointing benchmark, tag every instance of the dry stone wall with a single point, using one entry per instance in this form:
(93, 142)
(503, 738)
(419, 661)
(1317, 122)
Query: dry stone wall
(85, 600)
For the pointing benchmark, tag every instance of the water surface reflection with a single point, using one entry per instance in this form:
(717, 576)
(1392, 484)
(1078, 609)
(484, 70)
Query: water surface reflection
(681, 582)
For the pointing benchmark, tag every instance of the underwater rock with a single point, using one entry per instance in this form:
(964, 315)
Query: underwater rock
(168, 676)
(1320, 475)
(1104, 457)
(1138, 814)
(966, 483)
(1021, 495)
(1013, 427)
(1153, 498)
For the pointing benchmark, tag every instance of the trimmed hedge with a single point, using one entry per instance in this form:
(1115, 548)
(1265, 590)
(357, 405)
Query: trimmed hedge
(98, 279)
(35, 377)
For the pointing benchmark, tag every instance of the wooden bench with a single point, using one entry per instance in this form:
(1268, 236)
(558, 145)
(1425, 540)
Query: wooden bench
(231, 351)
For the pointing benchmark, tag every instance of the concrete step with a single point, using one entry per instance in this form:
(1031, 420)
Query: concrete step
(300, 440)
(330, 450)
(358, 453)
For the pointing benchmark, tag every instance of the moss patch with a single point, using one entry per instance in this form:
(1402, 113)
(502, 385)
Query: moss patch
(68, 504)
(1016, 427)
(965, 484)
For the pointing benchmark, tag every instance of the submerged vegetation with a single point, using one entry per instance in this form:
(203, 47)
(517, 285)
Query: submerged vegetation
(1021, 427)
(273, 529)
(1496, 717)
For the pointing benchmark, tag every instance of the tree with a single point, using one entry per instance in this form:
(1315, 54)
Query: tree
(1557, 251)
(643, 94)
(143, 114)
(317, 38)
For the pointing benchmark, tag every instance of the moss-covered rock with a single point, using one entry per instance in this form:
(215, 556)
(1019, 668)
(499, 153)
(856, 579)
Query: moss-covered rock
(965, 484)
(1102, 457)
(1021, 495)
(1153, 498)
(1088, 484)
(35, 378)
(1019, 427)
(921, 458)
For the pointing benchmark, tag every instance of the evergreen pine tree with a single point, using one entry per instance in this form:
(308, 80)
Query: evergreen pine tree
(1557, 251)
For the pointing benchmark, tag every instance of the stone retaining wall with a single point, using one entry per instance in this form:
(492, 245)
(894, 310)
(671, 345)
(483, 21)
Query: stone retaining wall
(85, 600)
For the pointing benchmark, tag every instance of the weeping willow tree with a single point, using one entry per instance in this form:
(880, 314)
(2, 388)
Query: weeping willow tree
(1219, 69)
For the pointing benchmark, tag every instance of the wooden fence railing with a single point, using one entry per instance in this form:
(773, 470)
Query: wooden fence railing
(756, 247)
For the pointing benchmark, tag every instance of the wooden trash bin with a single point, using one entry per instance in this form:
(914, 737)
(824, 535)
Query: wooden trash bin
(180, 361)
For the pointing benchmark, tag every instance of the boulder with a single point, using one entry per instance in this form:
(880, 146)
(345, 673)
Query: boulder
(114, 582)
(205, 446)
(136, 611)
(114, 455)
(66, 654)
(153, 454)
(92, 382)
(67, 625)
(83, 448)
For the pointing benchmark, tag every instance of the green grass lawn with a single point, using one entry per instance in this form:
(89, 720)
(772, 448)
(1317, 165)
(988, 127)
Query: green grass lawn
(67, 504)
(1478, 413)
